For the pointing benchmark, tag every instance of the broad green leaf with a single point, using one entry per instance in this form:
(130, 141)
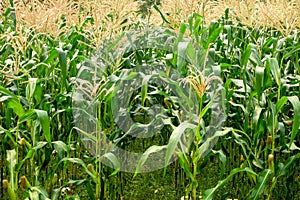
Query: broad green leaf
(144, 89)
(62, 55)
(222, 158)
(255, 56)
(294, 147)
(209, 194)
(12, 100)
(29, 115)
(213, 36)
(240, 83)
(259, 76)
(146, 154)
(262, 183)
(61, 148)
(30, 88)
(80, 162)
(6, 92)
(185, 167)
(205, 109)
(28, 156)
(11, 163)
(285, 169)
(206, 146)
(114, 160)
(246, 55)
(34, 195)
(39, 145)
(256, 117)
(40, 192)
(296, 122)
(181, 57)
(280, 103)
(191, 54)
(88, 135)
(275, 70)
(45, 123)
(182, 30)
(175, 139)
(10, 136)
(130, 76)
(16, 106)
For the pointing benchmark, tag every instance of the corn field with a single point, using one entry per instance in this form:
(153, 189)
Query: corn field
(149, 99)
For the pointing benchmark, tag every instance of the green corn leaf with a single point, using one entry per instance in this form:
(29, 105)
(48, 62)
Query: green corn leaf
(254, 57)
(10, 136)
(262, 183)
(29, 115)
(161, 14)
(222, 158)
(246, 55)
(30, 88)
(181, 57)
(256, 117)
(296, 121)
(259, 84)
(130, 76)
(45, 123)
(87, 135)
(16, 106)
(285, 169)
(191, 54)
(209, 194)
(175, 139)
(182, 30)
(144, 89)
(6, 92)
(275, 70)
(39, 145)
(213, 36)
(205, 109)
(11, 163)
(184, 164)
(90, 190)
(146, 154)
(62, 55)
(38, 193)
(28, 156)
(12, 100)
(206, 146)
(280, 103)
(80, 162)
(113, 160)
(60, 145)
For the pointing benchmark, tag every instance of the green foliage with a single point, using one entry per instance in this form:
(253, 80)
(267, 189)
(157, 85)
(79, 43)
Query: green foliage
(42, 155)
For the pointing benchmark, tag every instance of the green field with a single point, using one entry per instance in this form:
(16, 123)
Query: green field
(149, 99)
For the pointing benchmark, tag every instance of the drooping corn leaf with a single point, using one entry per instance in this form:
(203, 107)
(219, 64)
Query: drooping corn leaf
(209, 194)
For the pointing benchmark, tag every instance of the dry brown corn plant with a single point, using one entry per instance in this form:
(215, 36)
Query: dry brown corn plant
(109, 15)
(283, 15)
